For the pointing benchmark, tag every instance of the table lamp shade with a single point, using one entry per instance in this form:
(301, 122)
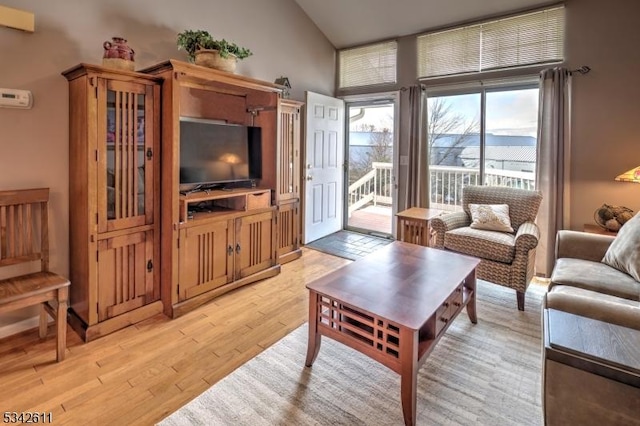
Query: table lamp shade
(632, 175)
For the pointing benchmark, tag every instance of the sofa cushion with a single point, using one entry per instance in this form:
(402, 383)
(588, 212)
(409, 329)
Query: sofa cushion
(594, 276)
(492, 245)
(491, 217)
(624, 252)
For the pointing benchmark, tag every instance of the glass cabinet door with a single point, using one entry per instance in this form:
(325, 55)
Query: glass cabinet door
(289, 146)
(125, 151)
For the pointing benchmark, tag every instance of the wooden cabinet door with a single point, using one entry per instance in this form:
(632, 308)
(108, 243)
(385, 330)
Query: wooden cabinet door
(126, 152)
(288, 229)
(255, 243)
(127, 274)
(206, 256)
(288, 162)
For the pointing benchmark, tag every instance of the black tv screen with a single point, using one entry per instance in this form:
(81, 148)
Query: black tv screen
(216, 153)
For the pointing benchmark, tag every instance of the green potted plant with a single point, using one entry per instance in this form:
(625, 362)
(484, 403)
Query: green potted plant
(204, 50)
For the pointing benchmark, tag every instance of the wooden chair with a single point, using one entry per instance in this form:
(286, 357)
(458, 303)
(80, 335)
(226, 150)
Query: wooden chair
(24, 238)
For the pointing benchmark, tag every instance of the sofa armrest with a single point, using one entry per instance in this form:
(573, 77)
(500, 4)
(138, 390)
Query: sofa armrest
(591, 304)
(447, 222)
(527, 237)
(582, 245)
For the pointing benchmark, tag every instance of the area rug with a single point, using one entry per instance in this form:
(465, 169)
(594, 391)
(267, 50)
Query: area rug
(483, 374)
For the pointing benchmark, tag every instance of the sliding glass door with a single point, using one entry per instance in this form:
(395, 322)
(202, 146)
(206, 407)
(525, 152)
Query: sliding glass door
(453, 127)
(481, 137)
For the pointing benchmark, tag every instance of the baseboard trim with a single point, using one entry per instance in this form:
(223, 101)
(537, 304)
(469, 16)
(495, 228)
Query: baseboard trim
(17, 327)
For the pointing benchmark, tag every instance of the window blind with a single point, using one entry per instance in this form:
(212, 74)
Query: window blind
(450, 52)
(523, 40)
(368, 65)
(528, 39)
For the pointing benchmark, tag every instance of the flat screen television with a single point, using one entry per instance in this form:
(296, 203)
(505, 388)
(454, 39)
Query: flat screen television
(215, 153)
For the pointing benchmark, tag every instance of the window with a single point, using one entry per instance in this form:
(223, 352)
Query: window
(528, 39)
(484, 136)
(368, 65)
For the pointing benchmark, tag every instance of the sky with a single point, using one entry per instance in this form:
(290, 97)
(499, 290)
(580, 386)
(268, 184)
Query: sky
(379, 116)
(513, 112)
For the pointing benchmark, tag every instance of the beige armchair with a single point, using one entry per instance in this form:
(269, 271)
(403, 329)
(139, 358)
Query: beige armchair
(506, 258)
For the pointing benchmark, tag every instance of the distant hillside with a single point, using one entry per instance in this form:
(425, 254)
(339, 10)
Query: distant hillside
(447, 141)
(506, 152)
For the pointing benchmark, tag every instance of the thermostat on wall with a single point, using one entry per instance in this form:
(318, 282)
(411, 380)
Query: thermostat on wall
(13, 98)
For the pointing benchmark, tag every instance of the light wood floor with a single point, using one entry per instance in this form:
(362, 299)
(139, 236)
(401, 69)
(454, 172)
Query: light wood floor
(141, 374)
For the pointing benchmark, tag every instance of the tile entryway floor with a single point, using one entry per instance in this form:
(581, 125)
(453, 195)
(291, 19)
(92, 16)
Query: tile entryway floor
(350, 245)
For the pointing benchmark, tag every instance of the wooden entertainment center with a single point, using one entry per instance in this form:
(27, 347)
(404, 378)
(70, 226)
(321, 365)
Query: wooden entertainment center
(138, 246)
(229, 242)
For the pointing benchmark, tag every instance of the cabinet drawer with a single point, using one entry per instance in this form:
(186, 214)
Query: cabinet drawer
(442, 317)
(259, 200)
(447, 311)
(455, 301)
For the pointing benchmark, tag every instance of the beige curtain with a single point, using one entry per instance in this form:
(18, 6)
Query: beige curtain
(417, 192)
(552, 165)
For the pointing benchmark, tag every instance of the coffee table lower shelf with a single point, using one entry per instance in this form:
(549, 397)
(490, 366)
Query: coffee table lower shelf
(399, 348)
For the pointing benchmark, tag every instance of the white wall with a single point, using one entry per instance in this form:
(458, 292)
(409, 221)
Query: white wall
(606, 104)
(34, 143)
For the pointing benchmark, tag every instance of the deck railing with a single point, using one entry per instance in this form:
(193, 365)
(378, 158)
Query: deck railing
(374, 187)
(446, 185)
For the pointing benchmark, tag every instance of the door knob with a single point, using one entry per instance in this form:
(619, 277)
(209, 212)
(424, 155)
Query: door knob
(309, 177)
(309, 166)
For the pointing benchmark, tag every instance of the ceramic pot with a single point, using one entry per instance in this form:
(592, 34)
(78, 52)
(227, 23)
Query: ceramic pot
(118, 54)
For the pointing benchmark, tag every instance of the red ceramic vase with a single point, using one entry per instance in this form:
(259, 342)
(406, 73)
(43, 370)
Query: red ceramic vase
(118, 48)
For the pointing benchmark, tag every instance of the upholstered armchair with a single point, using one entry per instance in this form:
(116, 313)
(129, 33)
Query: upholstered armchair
(507, 258)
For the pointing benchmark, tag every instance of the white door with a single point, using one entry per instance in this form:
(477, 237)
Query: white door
(323, 172)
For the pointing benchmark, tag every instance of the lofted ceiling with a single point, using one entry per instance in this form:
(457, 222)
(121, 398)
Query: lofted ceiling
(352, 22)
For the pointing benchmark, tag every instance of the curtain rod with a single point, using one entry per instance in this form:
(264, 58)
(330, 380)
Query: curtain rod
(582, 70)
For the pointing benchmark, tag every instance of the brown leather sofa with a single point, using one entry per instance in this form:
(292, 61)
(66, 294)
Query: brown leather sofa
(572, 393)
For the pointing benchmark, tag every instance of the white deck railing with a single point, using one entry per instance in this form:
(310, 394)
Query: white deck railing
(376, 186)
(446, 185)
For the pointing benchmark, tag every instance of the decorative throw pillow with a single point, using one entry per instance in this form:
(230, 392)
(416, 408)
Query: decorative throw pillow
(624, 252)
(491, 217)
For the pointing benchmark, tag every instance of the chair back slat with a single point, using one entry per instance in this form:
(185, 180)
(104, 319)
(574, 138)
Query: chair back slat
(44, 245)
(3, 231)
(24, 235)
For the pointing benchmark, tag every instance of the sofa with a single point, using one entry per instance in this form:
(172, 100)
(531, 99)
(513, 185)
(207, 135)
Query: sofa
(583, 284)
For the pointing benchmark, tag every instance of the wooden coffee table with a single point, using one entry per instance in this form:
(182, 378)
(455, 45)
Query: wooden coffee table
(393, 306)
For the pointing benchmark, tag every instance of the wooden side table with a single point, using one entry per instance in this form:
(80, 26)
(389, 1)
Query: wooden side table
(595, 229)
(413, 226)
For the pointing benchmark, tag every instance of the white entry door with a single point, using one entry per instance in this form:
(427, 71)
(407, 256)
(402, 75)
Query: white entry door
(323, 172)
